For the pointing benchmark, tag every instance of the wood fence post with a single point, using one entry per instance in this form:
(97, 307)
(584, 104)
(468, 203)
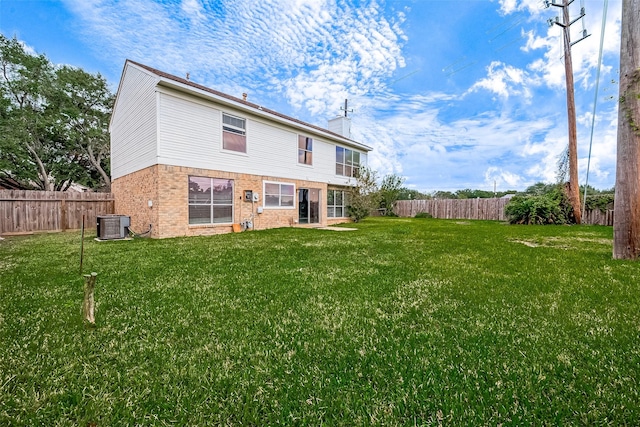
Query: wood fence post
(88, 305)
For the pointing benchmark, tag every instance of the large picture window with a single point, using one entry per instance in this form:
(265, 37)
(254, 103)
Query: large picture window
(210, 200)
(347, 162)
(234, 136)
(278, 195)
(337, 204)
(305, 150)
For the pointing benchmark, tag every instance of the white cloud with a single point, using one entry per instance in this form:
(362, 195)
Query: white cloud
(505, 80)
(502, 179)
(310, 55)
(584, 53)
(193, 9)
(305, 48)
(603, 150)
(549, 151)
(365, 51)
(410, 139)
(512, 6)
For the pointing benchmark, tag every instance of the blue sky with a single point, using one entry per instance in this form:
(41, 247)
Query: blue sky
(450, 94)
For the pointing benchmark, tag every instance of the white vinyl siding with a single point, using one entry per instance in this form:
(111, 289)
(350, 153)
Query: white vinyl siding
(187, 130)
(134, 123)
(159, 123)
(191, 136)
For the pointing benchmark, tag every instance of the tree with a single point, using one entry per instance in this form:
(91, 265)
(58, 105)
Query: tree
(26, 142)
(476, 194)
(626, 225)
(540, 188)
(444, 195)
(53, 122)
(411, 194)
(364, 197)
(389, 193)
(85, 107)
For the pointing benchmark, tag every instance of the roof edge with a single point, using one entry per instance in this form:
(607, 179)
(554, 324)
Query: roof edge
(256, 109)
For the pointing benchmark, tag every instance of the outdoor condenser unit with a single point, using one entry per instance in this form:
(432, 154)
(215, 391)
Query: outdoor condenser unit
(111, 227)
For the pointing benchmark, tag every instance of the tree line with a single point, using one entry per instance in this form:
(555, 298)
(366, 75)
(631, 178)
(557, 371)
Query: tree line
(54, 123)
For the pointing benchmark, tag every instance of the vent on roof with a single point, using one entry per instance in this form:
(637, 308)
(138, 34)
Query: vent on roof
(111, 227)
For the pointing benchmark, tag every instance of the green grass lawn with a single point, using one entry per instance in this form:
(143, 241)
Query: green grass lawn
(402, 322)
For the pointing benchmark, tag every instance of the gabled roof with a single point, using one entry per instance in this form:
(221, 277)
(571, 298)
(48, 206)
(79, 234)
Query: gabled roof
(188, 85)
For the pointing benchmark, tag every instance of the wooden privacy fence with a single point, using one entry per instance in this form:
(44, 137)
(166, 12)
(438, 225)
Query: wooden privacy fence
(597, 217)
(27, 211)
(489, 209)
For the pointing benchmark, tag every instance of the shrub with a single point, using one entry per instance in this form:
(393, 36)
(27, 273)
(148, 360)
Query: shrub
(357, 213)
(552, 207)
(389, 193)
(602, 202)
(364, 197)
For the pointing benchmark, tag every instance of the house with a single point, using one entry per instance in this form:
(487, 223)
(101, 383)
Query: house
(189, 160)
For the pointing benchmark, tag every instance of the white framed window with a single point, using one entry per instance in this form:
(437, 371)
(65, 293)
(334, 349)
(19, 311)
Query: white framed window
(279, 195)
(305, 150)
(347, 162)
(337, 204)
(234, 133)
(210, 200)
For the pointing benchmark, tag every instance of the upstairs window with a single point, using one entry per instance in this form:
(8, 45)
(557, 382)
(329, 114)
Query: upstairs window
(305, 150)
(347, 162)
(234, 136)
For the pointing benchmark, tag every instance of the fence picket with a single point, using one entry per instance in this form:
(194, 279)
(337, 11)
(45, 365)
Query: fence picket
(483, 209)
(23, 211)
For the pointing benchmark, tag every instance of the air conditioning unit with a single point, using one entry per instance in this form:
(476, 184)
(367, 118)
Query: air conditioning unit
(111, 227)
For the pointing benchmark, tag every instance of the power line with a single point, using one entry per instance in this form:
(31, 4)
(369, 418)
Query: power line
(595, 102)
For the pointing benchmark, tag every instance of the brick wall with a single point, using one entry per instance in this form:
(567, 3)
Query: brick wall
(334, 221)
(168, 189)
(132, 194)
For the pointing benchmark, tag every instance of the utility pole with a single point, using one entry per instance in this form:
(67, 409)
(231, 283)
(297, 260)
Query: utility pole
(345, 109)
(574, 186)
(626, 219)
